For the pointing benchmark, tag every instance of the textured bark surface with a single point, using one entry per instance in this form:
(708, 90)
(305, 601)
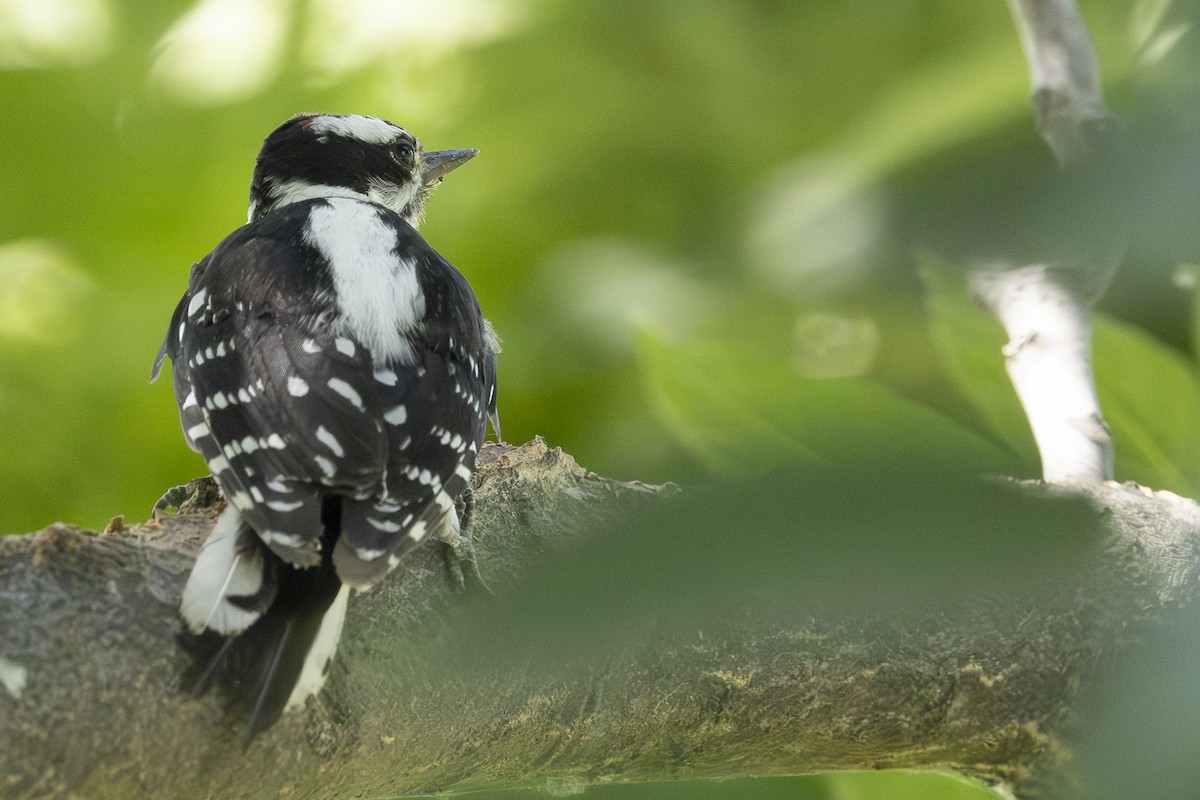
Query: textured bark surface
(90, 707)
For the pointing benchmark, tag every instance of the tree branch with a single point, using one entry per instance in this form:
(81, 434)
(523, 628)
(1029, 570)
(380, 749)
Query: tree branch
(1043, 306)
(89, 668)
(1065, 74)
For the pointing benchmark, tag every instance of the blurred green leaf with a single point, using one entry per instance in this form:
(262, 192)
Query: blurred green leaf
(915, 786)
(1187, 277)
(745, 411)
(894, 534)
(1139, 727)
(880, 785)
(1151, 399)
(969, 342)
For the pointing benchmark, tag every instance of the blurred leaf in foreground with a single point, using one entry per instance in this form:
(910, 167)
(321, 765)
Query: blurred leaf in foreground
(891, 535)
(1141, 726)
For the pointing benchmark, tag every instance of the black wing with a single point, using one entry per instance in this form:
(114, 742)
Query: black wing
(287, 408)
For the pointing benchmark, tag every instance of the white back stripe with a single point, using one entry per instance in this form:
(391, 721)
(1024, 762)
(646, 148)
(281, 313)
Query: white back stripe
(378, 293)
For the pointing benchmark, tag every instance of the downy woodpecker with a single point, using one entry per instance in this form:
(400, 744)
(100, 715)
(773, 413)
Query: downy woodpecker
(336, 374)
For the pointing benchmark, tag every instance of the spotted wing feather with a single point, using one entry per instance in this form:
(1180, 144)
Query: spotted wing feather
(287, 408)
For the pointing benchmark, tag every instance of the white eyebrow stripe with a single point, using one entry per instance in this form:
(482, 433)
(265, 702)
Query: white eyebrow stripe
(365, 129)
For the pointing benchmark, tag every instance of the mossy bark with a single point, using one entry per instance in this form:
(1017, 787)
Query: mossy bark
(90, 704)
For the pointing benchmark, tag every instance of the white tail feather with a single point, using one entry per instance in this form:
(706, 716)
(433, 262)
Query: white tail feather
(224, 568)
(316, 663)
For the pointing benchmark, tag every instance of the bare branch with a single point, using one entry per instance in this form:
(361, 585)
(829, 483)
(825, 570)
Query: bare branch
(1043, 306)
(1065, 74)
(1049, 360)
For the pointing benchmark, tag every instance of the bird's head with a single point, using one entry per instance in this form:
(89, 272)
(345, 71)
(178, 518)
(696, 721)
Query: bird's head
(365, 158)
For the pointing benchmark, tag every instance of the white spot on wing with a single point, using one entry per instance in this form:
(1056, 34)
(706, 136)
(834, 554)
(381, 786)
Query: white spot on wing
(284, 505)
(292, 541)
(241, 501)
(297, 386)
(329, 440)
(197, 301)
(386, 377)
(368, 555)
(396, 416)
(347, 391)
(344, 346)
(385, 525)
(326, 466)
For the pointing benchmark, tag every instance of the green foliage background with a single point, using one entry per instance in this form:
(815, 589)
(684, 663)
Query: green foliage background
(714, 236)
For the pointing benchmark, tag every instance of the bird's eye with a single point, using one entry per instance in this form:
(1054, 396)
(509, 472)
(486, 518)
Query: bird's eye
(403, 150)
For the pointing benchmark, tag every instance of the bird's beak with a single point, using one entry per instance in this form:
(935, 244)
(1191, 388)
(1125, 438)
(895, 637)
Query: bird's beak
(439, 162)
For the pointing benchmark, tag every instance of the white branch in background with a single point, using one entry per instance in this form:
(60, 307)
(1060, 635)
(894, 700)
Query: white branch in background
(1043, 309)
(1066, 77)
(1049, 361)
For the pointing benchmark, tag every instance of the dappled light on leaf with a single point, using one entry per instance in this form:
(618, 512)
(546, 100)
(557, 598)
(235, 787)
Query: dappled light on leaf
(814, 226)
(53, 33)
(342, 36)
(835, 346)
(222, 51)
(609, 288)
(41, 288)
(1153, 38)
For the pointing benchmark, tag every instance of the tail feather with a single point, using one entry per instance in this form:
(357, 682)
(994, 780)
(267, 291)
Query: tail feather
(279, 660)
(274, 653)
(320, 655)
(231, 581)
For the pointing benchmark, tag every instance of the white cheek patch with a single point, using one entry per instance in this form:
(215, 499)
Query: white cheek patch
(397, 198)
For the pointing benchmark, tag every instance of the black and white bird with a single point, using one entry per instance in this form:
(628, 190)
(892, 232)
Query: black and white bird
(337, 375)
